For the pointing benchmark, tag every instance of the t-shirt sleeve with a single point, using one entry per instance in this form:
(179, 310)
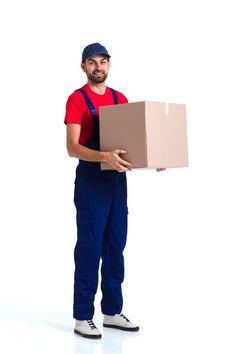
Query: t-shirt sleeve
(121, 98)
(74, 109)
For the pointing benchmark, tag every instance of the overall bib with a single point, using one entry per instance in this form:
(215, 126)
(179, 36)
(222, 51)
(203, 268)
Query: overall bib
(100, 198)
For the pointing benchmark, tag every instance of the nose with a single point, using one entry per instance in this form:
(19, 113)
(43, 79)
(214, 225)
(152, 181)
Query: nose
(98, 66)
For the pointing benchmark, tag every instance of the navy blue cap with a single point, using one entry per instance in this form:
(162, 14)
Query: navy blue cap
(94, 49)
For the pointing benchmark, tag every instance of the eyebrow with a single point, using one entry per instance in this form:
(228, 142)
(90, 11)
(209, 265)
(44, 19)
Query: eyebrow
(96, 60)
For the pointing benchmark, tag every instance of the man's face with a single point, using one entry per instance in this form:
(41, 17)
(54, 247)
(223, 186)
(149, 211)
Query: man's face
(96, 68)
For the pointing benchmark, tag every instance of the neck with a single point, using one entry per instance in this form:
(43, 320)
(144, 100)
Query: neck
(99, 88)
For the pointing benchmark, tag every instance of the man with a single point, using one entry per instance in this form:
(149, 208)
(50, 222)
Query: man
(100, 198)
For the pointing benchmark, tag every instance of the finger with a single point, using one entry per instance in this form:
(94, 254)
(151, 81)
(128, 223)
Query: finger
(121, 169)
(120, 151)
(123, 162)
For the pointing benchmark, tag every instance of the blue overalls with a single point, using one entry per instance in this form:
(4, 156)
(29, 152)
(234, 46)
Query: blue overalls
(101, 203)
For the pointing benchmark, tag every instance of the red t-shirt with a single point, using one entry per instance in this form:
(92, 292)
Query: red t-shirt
(77, 111)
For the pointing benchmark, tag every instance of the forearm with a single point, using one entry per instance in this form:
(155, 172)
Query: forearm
(83, 153)
(112, 158)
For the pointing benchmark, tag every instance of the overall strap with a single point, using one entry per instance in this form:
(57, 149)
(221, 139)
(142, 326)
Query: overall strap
(114, 94)
(89, 103)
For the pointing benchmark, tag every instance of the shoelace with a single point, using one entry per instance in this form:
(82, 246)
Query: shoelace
(91, 324)
(124, 317)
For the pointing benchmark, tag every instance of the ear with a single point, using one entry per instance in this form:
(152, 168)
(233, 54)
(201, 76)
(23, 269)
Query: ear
(83, 66)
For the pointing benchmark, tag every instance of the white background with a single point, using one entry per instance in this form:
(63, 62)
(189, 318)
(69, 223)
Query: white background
(180, 256)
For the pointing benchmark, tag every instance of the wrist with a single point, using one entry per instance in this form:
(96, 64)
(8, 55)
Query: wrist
(104, 156)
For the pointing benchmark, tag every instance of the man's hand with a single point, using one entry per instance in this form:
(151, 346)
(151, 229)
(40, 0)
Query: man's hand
(160, 169)
(114, 160)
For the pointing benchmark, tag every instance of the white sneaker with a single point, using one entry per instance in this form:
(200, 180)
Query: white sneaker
(87, 329)
(119, 321)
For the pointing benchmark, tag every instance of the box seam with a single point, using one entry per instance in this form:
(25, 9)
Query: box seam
(145, 124)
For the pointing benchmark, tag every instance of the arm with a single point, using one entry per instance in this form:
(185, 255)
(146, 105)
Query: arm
(81, 152)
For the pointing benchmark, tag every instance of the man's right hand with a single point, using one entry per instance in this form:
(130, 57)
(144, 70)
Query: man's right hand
(115, 161)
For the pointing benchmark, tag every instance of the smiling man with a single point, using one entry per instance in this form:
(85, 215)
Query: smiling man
(100, 198)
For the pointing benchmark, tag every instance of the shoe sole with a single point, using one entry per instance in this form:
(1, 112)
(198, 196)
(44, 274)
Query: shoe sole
(94, 336)
(126, 329)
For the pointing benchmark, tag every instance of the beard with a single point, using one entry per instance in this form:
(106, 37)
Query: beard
(97, 77)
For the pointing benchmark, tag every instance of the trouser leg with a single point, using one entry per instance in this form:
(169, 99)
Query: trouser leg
(87, 255)
(112, 269)
(92, 202)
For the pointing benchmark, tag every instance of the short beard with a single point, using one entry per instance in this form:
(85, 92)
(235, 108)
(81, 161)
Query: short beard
(97, 80)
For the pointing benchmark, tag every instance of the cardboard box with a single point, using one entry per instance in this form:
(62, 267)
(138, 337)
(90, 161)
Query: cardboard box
(153, 133)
